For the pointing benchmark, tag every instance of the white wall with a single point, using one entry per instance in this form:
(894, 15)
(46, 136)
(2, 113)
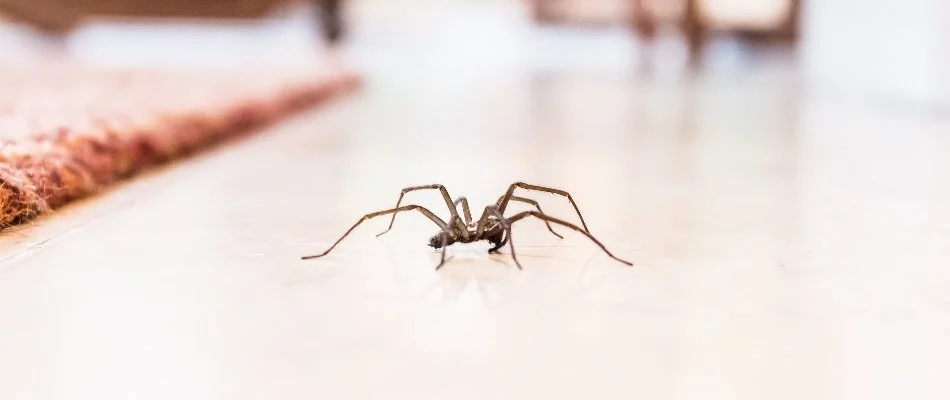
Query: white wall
(891, 50)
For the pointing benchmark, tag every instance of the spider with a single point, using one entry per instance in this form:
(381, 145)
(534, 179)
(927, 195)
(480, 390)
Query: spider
(493, 226)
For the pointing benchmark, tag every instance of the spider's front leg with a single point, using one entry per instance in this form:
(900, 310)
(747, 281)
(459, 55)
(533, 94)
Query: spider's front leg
(483, 221)
(509, 195)
(536, 205)
(544, 217)
(445, 196)
(445, 242)
(528, 201)
(465, 209)
(438, 221)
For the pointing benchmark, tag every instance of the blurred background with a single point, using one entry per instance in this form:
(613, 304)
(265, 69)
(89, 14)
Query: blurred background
(887, 49)
(773, 168)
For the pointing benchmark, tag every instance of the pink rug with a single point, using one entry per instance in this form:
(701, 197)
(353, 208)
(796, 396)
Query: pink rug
(67, 133)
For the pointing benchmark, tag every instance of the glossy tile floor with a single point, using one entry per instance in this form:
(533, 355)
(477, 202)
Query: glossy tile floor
(787, 245)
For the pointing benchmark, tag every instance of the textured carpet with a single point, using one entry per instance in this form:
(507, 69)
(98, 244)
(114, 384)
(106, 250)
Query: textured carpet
(67, 133)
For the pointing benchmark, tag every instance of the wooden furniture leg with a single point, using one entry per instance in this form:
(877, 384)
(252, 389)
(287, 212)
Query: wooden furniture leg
(694, 31)
(331, 18)
(643, 22)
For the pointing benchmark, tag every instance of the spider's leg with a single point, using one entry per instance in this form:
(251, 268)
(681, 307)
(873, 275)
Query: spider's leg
(465, 209)
(507, 224)
(421, 209)
(442, 261)
(504, 241)
(483, 221)
(503, 201)
(541, 216)
(536, 205)
(480, 226)
(445, 196)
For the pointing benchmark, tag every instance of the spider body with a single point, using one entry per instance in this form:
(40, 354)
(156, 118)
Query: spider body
(492, 226)
(494, 233)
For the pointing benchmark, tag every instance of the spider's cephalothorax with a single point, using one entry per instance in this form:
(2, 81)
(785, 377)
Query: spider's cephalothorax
(439, 240)
(493, 226)
(494, 233)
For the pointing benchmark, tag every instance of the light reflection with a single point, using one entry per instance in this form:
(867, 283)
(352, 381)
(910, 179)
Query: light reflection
(449, 328)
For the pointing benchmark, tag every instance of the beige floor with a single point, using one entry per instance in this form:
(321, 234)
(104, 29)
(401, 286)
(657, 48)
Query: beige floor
(788, 246)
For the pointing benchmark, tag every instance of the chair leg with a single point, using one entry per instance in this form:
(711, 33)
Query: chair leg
(693, 30)
(541, 12)
(642, 21)
(331, 18)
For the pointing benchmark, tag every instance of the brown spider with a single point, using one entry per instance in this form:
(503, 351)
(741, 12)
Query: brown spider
(492, 226)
